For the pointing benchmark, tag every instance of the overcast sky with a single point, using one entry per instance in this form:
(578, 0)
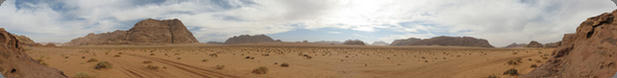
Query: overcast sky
(500, 21)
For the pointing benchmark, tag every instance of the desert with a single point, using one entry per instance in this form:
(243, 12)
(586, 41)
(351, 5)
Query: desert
(308, 39)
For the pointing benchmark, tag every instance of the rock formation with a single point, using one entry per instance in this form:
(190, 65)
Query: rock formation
(249, 39)
(588, 53)
(353, 42)
(515, 45)
(534, 44)
(444, 41)
(25, 41)
(380, 43)
(147, 31)
(552, 45)
(403, 42)
(14, 63)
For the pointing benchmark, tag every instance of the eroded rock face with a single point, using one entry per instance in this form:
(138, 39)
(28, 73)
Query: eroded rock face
(25, 41)
(534, 44)
(380, 43)
(353, 42)
(249, 39)
(588, 53)
(147, 31)
(444, 41)
(403, 42)
(14, 63)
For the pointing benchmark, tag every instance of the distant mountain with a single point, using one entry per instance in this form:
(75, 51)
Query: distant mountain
(443, 41)
(147, 31)
(249, 39)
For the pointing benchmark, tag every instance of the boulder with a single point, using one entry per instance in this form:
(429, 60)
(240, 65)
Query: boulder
(444, 41)
(147, 31)
(353, 42)
(534, 44)
(242, 39)
(588, 53)
(14, 63)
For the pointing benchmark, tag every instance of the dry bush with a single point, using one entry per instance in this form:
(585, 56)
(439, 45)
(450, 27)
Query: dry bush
(220, 67)
(511, 72)
(82, 75)
(284, 65)
(102, 65)
(152, 67)
(92, 60)
(147, 62)
(260, 70)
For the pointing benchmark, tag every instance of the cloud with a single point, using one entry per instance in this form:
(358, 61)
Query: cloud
(499, 21)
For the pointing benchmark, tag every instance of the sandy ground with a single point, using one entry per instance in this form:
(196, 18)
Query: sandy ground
(305, 61)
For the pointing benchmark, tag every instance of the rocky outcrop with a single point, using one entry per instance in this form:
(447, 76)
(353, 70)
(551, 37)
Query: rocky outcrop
(14, 63)
(242, 39)
(353, 42)
(444, 41)
(380, 43)
(515, 45)
(552, 45)
(534, 44)
(25, 41)
(588, 53)
(403, 42)
(147, 31)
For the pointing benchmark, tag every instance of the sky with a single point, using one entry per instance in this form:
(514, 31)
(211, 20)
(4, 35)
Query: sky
(501, 22)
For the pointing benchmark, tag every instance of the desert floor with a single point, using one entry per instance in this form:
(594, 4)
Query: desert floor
(304, 61)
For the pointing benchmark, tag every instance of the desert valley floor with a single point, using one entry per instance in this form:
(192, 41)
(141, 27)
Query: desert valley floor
(288, 61)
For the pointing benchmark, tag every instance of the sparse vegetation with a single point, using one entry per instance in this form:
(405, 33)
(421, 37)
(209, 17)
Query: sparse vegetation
(220, 67)
(284, 65)
(147, 62)
(534, 66)
(152, 67)
(515, 61)
(511, 72)
(492, 76)
(260, 70)
(102, 65)
(82, 75)
(92, 60)
(116, 55)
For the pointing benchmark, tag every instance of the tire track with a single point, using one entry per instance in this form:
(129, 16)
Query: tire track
(188, 68)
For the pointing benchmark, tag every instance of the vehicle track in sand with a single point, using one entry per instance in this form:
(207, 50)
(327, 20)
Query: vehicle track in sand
(205, 73)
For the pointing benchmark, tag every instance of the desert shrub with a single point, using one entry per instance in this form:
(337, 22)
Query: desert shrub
(284, 65)
(534, 66)
(511, 72)
(260, 70)
(152, 67)
(147, 62)
(116, 55)
(82, 75)
(492, 76)
(102, 65)
(92, 60)
(515, 61)
(204, 60)
(220, 67)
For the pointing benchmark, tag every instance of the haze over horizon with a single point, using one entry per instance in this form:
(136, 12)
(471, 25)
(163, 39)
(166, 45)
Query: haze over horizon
(501, 22)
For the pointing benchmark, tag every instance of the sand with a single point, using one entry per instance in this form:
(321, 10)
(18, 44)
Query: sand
(304, 61)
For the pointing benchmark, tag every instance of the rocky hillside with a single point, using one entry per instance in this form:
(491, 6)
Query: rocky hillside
(588, 53)
(516, 45)
(14, 63)
(534, 44)
(444, 41)
(26, 41)
(380, 43)
(147, 31)
(249, 39)
(353, 42)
